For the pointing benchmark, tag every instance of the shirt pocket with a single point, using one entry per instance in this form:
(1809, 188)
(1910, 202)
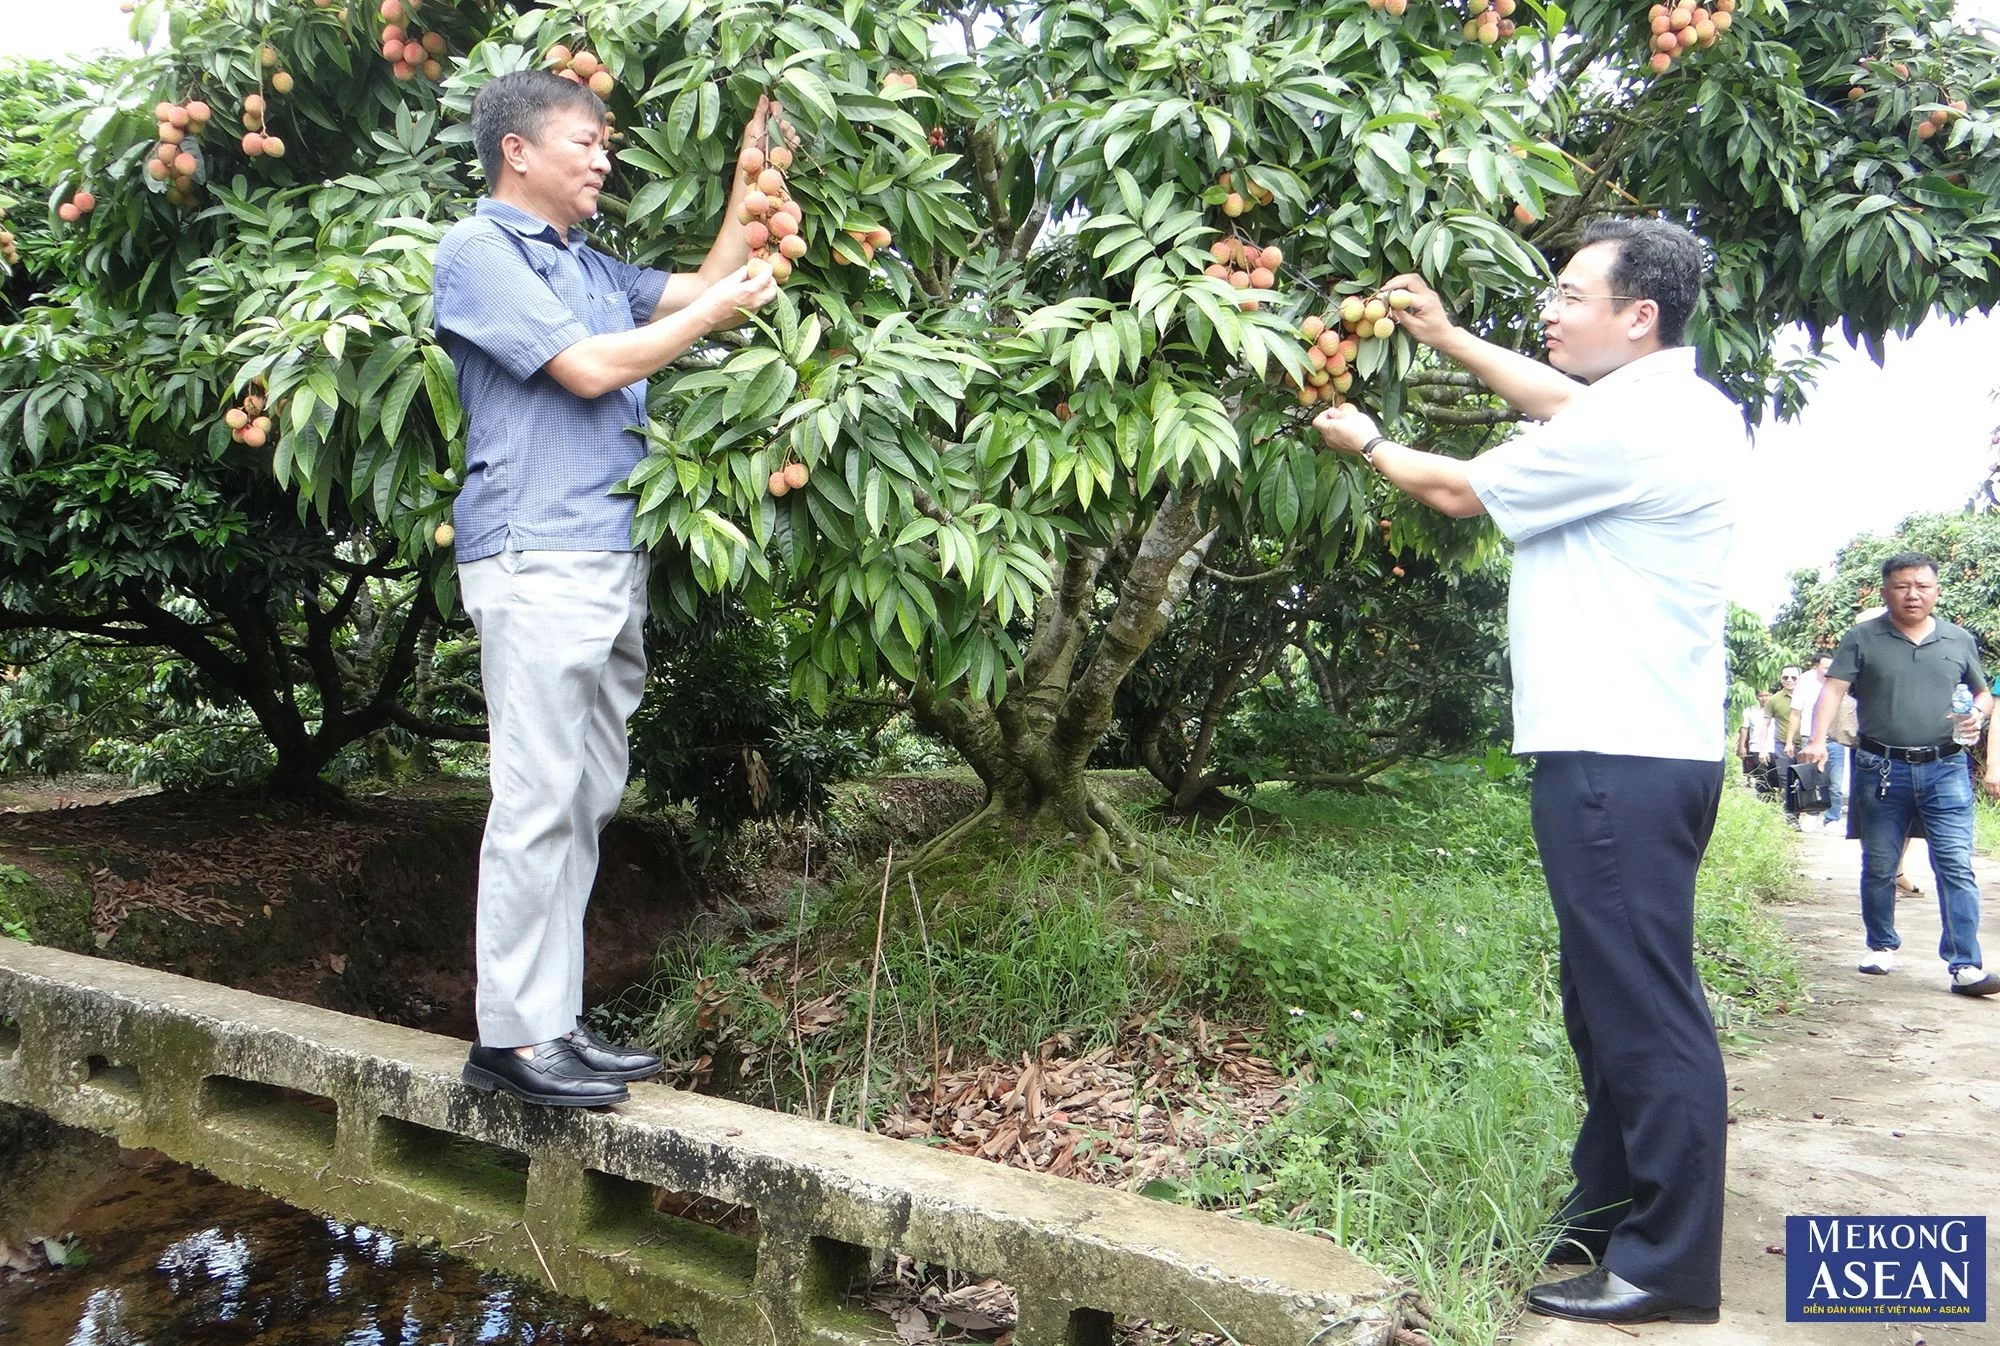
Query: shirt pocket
(611, 311)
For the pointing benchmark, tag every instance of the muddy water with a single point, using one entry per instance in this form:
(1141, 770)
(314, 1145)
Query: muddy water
(177, 1258)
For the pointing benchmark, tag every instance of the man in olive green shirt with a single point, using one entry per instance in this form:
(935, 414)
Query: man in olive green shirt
(1780, 708)
(1904, 667)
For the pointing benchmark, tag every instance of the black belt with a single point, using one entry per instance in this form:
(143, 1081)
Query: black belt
(1937, 754)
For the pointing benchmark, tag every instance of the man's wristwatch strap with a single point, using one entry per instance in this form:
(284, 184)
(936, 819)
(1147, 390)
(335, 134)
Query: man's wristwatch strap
(1368, 449)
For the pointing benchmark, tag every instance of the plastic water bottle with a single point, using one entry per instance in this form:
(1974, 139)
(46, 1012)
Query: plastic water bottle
(1964, 728)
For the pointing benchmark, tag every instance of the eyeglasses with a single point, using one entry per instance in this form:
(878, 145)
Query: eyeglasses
(1556, 296)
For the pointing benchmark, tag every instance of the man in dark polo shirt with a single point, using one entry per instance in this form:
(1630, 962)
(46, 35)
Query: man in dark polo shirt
(1904, 667)
(553, 342)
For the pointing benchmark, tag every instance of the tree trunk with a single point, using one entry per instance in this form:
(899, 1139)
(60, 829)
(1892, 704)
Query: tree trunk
(1030, 750)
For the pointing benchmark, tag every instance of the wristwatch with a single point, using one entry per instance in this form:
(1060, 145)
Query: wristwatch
(1368, 449)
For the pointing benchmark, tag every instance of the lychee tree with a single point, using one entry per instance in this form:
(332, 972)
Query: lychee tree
(1045, 346)
(131, 510)
(1965, 544)
(1007, 531)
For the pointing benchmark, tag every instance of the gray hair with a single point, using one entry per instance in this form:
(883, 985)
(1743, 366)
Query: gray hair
(520, 104)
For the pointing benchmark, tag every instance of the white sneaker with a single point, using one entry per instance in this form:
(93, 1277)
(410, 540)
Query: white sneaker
(1879, 962)
(1975, 981)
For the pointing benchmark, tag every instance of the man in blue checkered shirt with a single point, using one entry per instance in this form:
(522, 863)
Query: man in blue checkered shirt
(554, 341)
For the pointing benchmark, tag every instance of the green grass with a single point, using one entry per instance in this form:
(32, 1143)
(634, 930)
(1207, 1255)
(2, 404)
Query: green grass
(1396, 948)
(14, 884)
(1986, 824)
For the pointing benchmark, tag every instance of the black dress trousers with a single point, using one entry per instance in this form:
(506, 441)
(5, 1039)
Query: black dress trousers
(1620, 839)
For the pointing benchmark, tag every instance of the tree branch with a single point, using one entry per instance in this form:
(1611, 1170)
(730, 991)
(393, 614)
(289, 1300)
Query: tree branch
(417, 724)
(1465, 415)
(1154, 585)
(986, 168)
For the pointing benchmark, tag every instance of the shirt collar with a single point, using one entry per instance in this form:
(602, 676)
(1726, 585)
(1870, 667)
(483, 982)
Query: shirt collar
(1671, 360)
(523, 223)
(1889, 627)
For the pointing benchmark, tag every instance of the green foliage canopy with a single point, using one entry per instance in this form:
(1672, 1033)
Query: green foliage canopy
(1037, 374)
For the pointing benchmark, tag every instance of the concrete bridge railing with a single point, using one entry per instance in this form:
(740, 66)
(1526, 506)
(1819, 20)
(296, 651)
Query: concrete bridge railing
(367, 1123)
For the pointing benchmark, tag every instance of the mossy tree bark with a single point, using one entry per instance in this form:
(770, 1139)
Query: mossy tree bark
(1031, 748)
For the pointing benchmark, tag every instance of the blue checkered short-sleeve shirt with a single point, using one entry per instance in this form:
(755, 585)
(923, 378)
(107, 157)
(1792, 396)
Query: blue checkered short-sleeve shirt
(510, 293)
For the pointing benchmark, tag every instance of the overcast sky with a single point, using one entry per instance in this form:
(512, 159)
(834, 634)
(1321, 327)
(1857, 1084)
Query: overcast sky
(1874, 445)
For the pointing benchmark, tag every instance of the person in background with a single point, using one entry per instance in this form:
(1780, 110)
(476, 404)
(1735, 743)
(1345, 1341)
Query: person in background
(1905, 885)
(1906, 667)
(1798, 723)
(1780, 707)
(1754, 738)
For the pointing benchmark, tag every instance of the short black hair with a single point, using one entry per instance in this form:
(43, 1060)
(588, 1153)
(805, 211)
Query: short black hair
(1908, 560)
(1657, 261)
(520, 104)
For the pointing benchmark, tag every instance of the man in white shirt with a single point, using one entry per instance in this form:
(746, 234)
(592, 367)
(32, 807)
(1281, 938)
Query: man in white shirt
(1754, 739)
(1618, 508)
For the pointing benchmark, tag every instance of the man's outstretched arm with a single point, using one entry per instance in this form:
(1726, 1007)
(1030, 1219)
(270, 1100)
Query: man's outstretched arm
(1532, 388)
(1432, 478)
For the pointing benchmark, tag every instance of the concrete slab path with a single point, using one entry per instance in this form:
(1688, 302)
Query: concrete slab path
(1881, 1097)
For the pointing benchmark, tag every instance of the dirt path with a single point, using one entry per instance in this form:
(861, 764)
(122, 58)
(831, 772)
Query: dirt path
(1880, 1098)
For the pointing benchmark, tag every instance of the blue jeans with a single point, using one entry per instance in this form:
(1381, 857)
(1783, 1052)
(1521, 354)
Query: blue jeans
(1836, 774)
(1941, 793)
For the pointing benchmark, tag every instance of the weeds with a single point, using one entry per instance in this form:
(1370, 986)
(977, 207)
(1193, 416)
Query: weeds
(13, 920)
(1985, 824)
(1396, 950)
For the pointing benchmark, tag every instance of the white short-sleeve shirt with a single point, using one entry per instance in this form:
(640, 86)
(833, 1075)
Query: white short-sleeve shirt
(1761, 739)
(1619, 512)
(1805, 700)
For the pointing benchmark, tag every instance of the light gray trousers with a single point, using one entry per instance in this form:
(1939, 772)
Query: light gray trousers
(563, 661)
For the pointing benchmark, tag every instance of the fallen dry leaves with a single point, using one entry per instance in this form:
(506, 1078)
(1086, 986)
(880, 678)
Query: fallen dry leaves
(260, 863)
(1129, 1113)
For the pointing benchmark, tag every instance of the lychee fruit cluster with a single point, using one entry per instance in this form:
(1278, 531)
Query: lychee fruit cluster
(80, 204)
(247, 422)
(8, 252)
(1240, 201)
(870, 241)
(1334, 341)
(1938, 118)
(581, 67)
(408, 52)
(1489, 21)
(1683, 27)
(256, 143)
(789, 478)
(771, 219)
(176, 157)
(1244, 266)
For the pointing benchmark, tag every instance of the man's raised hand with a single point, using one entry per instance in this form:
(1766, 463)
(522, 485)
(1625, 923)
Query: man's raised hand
(1345, 427)
(724, 303)
(753, 132)
(1425, 317)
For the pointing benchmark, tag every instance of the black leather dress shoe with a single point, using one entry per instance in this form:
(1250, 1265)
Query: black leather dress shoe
(1598, 1296)
(612, 1062)
(555, 1076)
